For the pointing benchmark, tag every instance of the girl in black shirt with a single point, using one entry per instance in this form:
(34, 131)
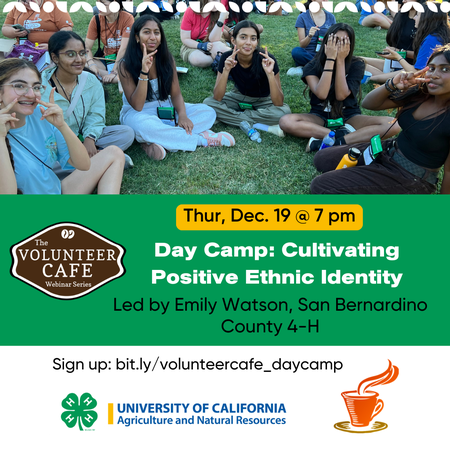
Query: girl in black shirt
(257, 97)
(410, 164)
(334, 79)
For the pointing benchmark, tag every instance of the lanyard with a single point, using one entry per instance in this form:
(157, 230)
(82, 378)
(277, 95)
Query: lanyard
(26, 148)
(414, 121)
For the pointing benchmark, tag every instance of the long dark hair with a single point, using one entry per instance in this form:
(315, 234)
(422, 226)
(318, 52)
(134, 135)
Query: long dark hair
(320, 60)
(257, 70)
(213, 17)
(435, 23)
(132, 61)
(419, 94)
(395, 30)
(8, 68)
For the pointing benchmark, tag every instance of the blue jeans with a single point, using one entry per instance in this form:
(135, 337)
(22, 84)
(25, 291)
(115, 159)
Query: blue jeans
(301, 56)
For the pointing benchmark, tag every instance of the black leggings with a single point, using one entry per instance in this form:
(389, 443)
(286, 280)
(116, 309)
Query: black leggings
(383, 176)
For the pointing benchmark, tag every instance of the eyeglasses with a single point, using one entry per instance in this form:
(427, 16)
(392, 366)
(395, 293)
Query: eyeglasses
(22, 89)
(72, 54)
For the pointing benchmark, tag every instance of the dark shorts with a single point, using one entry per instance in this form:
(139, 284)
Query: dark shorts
(348, 113)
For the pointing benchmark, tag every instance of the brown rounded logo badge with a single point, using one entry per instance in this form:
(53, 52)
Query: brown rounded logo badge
(67, 260)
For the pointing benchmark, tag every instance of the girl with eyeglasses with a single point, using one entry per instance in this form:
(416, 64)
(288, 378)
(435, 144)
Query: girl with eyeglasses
(32, 139)
(81, 94)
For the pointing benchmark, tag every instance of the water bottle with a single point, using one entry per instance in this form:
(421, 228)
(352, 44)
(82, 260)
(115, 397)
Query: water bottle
(328, 140)
(249, 131)
(349, 160)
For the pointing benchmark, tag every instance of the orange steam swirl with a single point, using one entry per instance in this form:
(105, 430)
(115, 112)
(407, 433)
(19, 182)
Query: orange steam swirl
(387, 377)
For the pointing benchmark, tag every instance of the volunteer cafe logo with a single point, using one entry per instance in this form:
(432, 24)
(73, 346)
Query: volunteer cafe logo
(363, 405)
(67, 260)
(79, 412)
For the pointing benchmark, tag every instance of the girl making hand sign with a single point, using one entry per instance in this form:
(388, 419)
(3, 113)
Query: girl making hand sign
(32, 139)
(411, 164)
(334, 80)
(152, 102)
(257, 97)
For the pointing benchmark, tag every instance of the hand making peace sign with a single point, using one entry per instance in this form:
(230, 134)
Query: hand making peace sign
(7, 121)
(53, 114)
(231, 62)
(267, 62)
(147, 59)
(404, 80)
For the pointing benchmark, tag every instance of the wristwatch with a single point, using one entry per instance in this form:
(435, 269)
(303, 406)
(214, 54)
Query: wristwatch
(219, 24)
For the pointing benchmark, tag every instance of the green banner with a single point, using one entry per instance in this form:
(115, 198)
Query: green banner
(381, 285)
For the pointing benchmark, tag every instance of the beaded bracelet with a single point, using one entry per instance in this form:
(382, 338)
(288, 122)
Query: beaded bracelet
(393, 85)
(386, 85)
(142, 79)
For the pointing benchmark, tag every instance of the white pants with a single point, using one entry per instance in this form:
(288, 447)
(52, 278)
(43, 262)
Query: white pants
(150, 129)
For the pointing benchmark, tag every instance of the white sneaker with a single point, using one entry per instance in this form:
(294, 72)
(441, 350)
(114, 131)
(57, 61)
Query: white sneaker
(154, 151)
(314, 145)
(221, 139)
(276, 130)
(129, 164)
(295, 71)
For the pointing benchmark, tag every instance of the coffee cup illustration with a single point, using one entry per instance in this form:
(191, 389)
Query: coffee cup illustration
(363, 404)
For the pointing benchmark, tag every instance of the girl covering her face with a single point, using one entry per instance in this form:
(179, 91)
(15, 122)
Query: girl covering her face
(411, 163)
(334, 81)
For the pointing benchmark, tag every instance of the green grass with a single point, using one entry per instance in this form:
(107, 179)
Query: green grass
(276, 166)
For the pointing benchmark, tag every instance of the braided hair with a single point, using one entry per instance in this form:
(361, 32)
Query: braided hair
(7, 68)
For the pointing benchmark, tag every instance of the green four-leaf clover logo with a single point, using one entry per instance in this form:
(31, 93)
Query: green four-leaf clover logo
(79, 411)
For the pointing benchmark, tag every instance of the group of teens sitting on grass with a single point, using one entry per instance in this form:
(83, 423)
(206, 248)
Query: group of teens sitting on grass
(33, 139)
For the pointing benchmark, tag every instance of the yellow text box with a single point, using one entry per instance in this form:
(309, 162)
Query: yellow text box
(269, 217)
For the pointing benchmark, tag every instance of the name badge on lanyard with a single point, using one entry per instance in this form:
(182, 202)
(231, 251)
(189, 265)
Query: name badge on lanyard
(373, 150)
(319, 43)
